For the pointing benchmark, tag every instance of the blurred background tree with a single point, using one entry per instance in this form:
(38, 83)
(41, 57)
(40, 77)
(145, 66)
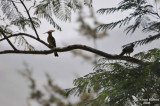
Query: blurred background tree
(88, 23)
(51, 93)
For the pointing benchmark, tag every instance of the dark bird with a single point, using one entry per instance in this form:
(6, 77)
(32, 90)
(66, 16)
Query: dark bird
(127, 50)
(52, 41)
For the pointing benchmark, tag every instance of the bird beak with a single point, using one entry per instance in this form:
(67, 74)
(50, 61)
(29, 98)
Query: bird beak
(45, 33)
(50, 31)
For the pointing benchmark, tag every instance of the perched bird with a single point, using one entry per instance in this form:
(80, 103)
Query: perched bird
(127, 50)
(51, 40)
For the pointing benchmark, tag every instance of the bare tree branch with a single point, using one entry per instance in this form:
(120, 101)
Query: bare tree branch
(5, 37)
(30, 18)
(72, 47)
(28, 35)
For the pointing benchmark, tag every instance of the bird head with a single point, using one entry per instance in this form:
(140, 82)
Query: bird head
(50, 31)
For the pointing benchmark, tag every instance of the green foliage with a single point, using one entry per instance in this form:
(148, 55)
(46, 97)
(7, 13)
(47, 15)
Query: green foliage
(121, 83)
(45, 10)
(150, 56)
(147, 40)
(140, 8)
(6, 29)
(22, 22)
(142, 13)
(9, 9)
(23, 42)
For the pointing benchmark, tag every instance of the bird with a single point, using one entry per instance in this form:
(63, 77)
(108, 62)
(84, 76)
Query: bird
(127, 50)
(51, 40)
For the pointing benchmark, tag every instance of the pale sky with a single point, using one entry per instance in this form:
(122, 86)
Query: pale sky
(14, 88)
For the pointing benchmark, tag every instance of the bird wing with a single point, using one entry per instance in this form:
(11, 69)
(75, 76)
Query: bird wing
(51, 41)
(128, 49)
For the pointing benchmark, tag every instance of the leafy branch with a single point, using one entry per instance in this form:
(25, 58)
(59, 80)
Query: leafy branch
(144, 41)
(23, 42)
(142, 12)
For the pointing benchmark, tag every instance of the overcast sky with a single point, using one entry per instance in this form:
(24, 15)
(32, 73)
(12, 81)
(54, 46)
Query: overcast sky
(14, 89)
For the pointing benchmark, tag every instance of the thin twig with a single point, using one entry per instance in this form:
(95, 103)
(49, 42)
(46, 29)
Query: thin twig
(30, 18)
(32, 5)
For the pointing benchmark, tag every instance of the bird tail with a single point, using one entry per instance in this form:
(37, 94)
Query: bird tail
(56, 54)
(122, 54)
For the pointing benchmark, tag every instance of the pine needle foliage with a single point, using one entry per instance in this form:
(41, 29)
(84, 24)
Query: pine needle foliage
(121, 83)
(141, 17)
